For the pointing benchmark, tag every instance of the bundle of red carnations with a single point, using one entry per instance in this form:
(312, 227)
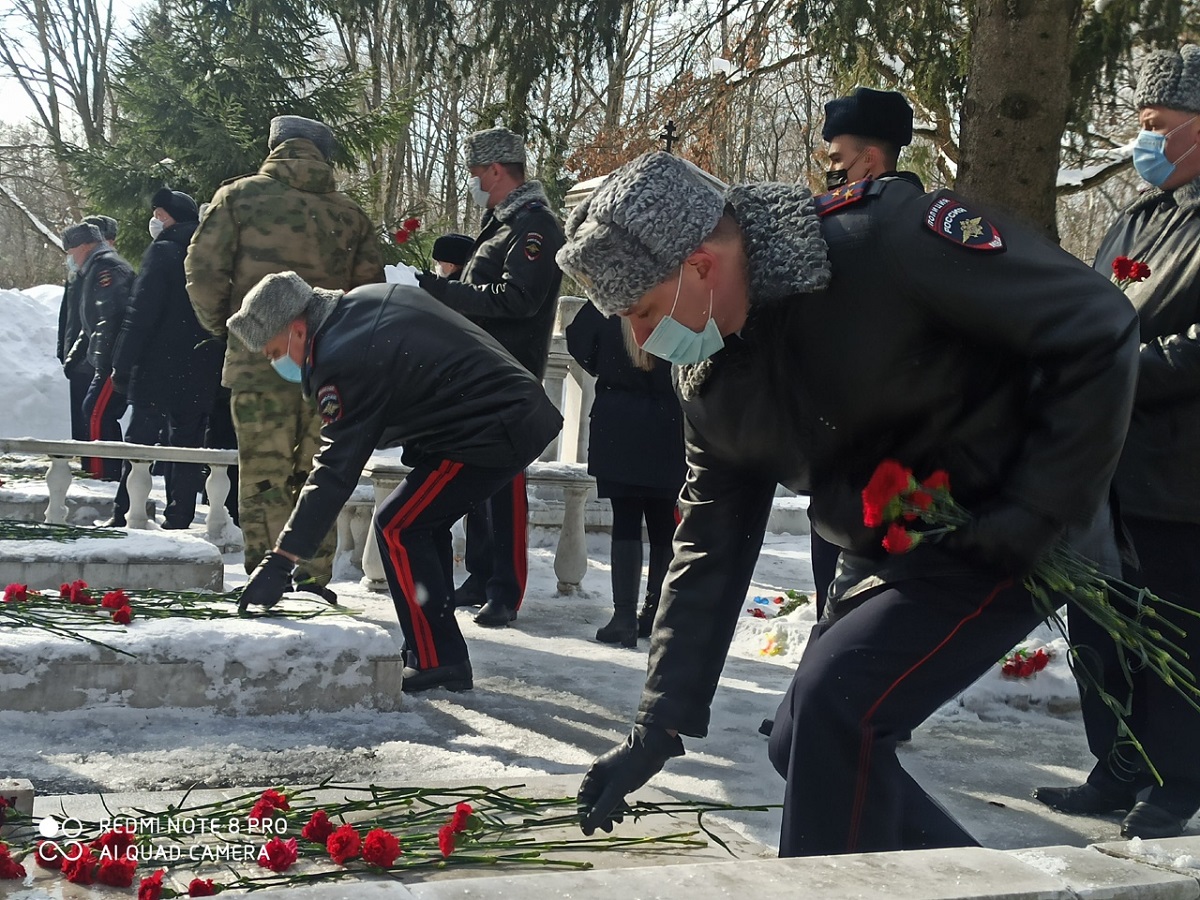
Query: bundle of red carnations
(289, 837)
(1130, 615)
(73, 610)
(1128, 271)
(1022, 663)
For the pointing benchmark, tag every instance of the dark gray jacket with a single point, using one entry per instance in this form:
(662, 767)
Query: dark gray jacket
(1159, 473)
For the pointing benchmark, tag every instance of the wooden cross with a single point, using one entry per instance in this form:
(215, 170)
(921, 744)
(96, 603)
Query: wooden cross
(669, 134)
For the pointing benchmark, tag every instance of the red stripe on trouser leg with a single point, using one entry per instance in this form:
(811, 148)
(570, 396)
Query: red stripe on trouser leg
(678, 514)
(867, 740)
(96, 422)
(426, 649)
(520, 529)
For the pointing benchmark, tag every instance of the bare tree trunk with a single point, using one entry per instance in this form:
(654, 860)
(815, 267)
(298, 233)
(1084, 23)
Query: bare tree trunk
(1016, 105)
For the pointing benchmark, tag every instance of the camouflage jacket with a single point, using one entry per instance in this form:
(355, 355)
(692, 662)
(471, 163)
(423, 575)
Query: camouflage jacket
(288, 216)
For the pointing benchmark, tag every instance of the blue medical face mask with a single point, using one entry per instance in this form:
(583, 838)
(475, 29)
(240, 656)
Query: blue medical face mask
(286, 367)
(1150, 155)
(678, 344)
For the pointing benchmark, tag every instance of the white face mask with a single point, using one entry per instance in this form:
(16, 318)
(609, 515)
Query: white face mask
(481, 197)
(156, 227)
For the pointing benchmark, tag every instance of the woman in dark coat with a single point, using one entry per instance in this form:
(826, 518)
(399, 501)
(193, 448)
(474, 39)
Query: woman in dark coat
(635, 453)
(168, 363)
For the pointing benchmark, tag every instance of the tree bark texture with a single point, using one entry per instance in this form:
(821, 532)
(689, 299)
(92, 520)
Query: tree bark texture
(1015, 109)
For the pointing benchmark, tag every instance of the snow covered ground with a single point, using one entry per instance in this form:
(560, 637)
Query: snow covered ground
(547, 697)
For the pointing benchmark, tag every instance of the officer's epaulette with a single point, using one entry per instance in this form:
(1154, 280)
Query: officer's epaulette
(846, 195)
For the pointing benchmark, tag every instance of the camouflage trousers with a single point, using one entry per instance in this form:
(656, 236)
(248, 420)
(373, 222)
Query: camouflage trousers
(278, 432)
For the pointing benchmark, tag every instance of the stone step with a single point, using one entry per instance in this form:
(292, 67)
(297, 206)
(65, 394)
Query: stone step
(139, 560)
(257, 666)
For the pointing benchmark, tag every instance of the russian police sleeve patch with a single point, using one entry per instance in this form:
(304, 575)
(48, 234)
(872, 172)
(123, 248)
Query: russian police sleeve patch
(329, 403)
(952, 219)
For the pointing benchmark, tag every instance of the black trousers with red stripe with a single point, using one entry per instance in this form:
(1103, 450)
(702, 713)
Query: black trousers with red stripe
(497, 543)
(103, 407)
(877, 666)
(412, 527)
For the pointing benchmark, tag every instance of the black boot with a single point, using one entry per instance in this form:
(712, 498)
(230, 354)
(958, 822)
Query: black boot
(660, 560)
(626, 577)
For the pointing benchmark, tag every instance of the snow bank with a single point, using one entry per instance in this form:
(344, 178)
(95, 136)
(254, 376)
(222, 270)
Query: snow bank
(38, 402)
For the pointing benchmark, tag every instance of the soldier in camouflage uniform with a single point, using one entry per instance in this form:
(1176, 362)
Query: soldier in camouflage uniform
(287, 216)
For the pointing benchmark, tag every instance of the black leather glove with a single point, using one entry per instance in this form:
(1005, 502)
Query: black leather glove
(431, 283)
(622, 769)
(268, 582)
(1006, 537)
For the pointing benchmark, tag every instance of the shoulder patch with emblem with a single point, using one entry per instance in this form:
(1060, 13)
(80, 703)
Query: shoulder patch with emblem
(329, 403)
(533, 245)
(952, 219)
(104, 278)
(846, 195)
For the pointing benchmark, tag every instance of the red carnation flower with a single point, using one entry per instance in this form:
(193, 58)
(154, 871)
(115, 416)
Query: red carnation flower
(81, 870)
(461, 817)
(411, 224)
(757, 613)
(343, 844)
(887, 483)
(48, 856)
(123, 616)
(10, 869)
(938, 481)
(117, 843)
(115, 600)
(1122, 267)
(201, 887)
(898, 539)
(76, 592)
(318, 829)
(380, 848)
(402, 236)
(1139, 272)
(276, 799)
(151, 887)
(117, 872)
(278, 854)
(16, 593)
(446, 840)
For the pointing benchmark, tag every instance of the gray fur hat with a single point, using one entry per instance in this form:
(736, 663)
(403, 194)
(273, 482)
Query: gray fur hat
(1170, 79)
(284, 128)
(271, 305)
(106, 224)
(79, 234)
(495, 145)
(637, 228)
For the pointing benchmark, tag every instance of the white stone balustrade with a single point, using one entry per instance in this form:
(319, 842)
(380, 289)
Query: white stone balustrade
(140, 457)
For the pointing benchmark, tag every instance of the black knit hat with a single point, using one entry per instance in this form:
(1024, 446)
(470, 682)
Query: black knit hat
(106, 224)
(179, 205)
(453, 248)
(884, 115)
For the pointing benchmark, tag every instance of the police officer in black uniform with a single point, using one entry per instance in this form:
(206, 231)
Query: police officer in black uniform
(104, 281)
(811, 342)
(509, 288)
(390, 366)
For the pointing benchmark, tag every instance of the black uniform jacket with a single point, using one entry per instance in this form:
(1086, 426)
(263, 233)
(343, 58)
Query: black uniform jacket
(1159, 473)
(391, 366)
(987, 352)
(510, 285)
(162, 350)
(104, 281)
